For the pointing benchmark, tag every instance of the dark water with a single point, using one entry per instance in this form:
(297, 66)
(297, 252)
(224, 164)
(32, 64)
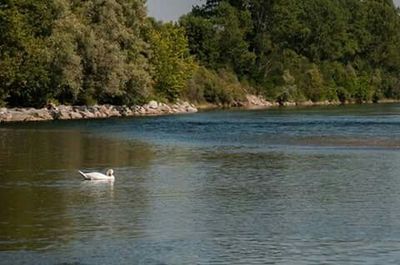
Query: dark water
(283, 186)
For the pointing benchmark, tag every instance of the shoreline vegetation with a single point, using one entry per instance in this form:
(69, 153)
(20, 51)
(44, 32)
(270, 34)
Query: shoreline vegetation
(153, 108)
(64, 59)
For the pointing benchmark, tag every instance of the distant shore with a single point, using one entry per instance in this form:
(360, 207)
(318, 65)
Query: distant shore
(153, 108)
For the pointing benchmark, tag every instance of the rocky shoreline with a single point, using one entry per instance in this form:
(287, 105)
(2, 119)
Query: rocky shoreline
(259, 102)
(153, 108)
(62, 112)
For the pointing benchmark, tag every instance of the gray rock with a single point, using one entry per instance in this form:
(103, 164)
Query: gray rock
(141, 110)
(75, 115)
(289, 104)
(153, 104)
(21, 115)
(5, 116)
(62, 112)
(164, 108)
(114, 112)
(191, 109)
(86, 114)
(41, 115)
(125, 111)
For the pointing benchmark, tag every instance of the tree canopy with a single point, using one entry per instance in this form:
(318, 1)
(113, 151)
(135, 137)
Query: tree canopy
(87, 52)
(111, 52)
(330, 49)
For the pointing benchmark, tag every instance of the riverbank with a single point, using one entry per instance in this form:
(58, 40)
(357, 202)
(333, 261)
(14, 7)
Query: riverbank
(153, 108)
(259, 102)
(63, 112)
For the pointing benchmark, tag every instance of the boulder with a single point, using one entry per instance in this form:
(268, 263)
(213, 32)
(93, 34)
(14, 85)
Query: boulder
(289, 104)
(5, 116)
(254, 101)
(87, 114)
(74, 115)
(114, 112)
(191, 109)
(151, 111)
(97, 111)
(63, 113)
(20, 116)
(126, 111)
(164, 108)
(306, 103)
(141, 110)
(42, 115)
(153, 104)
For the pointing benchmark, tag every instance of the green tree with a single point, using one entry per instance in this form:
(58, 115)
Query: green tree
(220, 40)
(112, 51)
(333, 49)
(73, 51)
(171, 59)
(24, 55)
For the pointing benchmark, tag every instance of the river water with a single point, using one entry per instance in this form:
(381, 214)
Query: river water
(281, 186)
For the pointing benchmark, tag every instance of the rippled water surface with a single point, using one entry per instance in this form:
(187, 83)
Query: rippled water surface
(282, 186)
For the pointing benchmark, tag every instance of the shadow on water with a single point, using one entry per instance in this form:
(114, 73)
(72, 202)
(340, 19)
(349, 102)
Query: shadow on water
(39, 151)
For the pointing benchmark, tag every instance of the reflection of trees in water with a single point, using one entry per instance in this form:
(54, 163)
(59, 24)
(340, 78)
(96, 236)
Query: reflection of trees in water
(44, 201)
(62, 150)
(32, 218)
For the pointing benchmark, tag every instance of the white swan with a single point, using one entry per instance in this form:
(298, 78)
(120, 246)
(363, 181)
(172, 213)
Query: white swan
(98, 176)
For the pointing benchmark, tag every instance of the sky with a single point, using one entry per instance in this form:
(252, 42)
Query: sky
(168, 10)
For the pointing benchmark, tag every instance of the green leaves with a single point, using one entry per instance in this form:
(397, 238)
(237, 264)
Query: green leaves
(24, 53)
(220, 41)
(88, 52)
(173, 65)
(73, 51)
(330, 49)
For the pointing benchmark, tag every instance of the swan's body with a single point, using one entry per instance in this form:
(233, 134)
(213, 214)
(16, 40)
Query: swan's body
(98, 176)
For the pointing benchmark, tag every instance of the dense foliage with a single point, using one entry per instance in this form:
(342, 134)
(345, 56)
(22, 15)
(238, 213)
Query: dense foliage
(87, 52)
(109, 51)
(302, 50)
(173, 65)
